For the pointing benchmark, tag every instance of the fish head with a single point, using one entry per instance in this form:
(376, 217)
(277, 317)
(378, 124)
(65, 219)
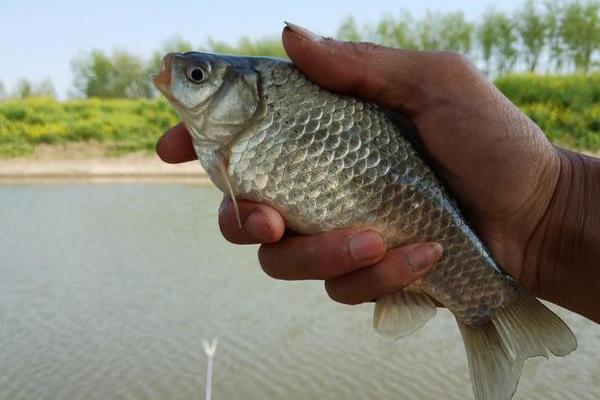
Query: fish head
(217, 98)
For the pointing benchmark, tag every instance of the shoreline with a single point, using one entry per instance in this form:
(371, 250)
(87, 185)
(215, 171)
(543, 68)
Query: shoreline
(133, 168)
(93, 166)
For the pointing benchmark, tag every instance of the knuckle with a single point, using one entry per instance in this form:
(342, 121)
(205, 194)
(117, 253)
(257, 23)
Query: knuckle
(455, 59)
(457, 67)
(310, 252)
(362, 49)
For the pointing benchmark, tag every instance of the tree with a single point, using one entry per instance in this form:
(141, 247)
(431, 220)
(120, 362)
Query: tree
(44, 88)
(2, 91)
(531, 26)
(580, 32)
(507, 52)
(447, 32)
(130, 79)
(175, 44)
(486, 36)
(121, 75)
(456, 33)
(25, 88)
(266, 46)
(348, 30)
(428, 32)
(393, 32)
(553, 19)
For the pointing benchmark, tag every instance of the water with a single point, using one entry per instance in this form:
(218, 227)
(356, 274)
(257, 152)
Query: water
(107, 290)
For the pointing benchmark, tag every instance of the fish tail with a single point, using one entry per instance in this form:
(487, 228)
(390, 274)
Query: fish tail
(497, 349)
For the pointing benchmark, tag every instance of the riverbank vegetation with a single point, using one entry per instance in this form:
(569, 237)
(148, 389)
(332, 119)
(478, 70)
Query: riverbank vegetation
(567, 108)
(544, 56)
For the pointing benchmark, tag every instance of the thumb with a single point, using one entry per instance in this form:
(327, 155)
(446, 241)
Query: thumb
(406, 80)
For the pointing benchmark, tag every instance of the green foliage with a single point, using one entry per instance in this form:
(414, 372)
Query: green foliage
(266, 46)
(120, 75)
(122, 125)
(498, 41)
(393, 32)
(553, 20)
(580, 31)
(348, 30)
(174, 44)
(567, 108)
(532, 27)
(447, 32)
(553, 33)
(25, 88)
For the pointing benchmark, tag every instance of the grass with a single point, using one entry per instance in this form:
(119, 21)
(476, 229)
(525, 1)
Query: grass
(122, 126)
(567, 108)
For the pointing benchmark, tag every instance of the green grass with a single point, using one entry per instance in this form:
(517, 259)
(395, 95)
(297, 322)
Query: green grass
(567, 108)
(122, 126)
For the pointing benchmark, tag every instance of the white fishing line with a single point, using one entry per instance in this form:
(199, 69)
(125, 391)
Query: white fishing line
(209, 348)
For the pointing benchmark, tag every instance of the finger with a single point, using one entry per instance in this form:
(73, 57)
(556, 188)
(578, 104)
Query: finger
(402, 79)
(321, 256)
(260, 223)
(399, 268)
(175, 146)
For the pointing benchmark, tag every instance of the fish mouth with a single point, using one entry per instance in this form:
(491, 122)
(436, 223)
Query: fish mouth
(162, 80)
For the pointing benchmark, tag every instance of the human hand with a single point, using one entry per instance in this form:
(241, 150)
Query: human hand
(495, 160)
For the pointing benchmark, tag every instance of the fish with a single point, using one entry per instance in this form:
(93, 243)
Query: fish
(264, 132)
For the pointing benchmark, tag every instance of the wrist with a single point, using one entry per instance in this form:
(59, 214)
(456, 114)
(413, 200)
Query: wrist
(564, 250)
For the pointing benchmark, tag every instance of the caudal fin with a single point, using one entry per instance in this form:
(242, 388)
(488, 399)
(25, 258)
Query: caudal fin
(497, 349)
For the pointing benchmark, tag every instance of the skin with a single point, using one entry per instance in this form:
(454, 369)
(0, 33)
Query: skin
(535, 206)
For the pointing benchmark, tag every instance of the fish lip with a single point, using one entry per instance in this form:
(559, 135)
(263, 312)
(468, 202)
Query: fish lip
(162, 80)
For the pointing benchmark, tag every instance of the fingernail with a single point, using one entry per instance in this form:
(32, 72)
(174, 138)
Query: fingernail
(303, 32)
(423, 256)
(366, 246)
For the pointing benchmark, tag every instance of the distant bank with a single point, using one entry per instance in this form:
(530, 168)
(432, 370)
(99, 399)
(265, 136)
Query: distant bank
(566, 107)
(130, 168)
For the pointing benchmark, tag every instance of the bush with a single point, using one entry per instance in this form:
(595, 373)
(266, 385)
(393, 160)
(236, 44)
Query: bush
(131, 124)
(567, 108)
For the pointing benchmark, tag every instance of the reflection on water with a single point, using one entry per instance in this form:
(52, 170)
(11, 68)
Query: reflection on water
(107, 290)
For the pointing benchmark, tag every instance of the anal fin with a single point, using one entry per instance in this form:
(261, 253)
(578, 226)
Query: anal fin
(402, 313)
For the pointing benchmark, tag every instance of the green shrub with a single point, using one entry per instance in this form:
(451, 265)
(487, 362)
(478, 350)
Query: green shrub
(567, 108)
(125, 125)
(572, 91)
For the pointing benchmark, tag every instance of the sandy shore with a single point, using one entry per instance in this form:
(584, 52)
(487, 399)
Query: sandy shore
(82, 162)
(130, 168)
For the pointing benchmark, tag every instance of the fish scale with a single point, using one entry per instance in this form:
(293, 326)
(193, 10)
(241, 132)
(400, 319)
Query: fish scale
(373, 144)
(328, 161)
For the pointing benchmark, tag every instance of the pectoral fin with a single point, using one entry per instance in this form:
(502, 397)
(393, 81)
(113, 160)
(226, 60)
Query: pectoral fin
(402, 313)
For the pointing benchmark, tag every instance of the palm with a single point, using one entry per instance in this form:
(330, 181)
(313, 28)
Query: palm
(500, 168)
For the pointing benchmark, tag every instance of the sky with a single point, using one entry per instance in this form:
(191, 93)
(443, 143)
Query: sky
(38, 39)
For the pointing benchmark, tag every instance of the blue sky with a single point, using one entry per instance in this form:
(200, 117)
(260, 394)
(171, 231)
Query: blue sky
(40, 38)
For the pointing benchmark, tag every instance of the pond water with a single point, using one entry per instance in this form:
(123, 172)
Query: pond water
(107, 290)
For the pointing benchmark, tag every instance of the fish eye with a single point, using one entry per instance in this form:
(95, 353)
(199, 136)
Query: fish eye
(196, 73)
